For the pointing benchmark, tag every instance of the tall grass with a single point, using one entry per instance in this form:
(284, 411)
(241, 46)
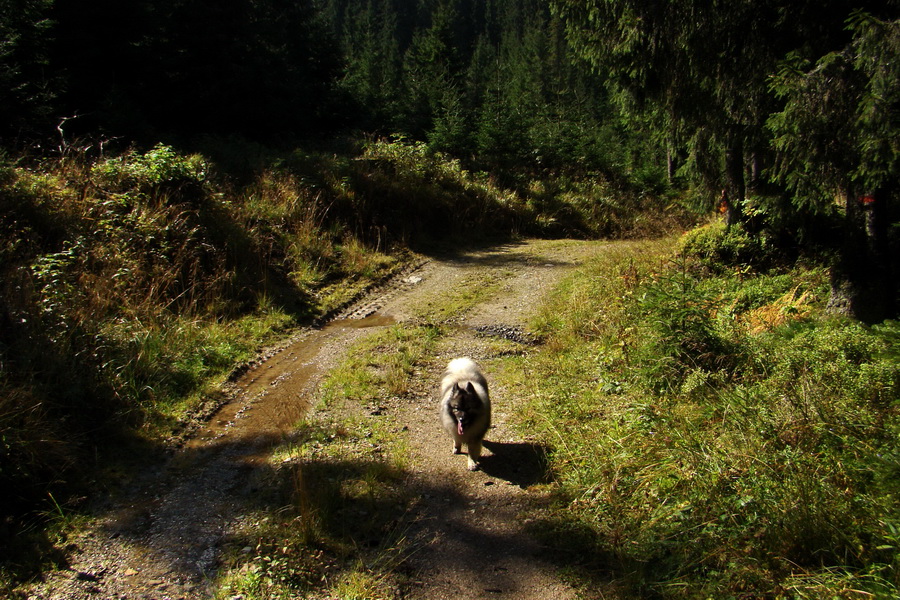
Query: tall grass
(717, 435)
(131, 287)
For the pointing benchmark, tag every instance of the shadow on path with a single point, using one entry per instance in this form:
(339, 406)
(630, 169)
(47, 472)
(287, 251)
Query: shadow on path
(521, 463)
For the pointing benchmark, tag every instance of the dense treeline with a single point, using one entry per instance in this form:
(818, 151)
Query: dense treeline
(146, 71)
(789, 108)
(494, 80)
(775, 107)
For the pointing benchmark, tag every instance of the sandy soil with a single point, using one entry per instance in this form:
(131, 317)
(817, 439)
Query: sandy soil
(163, 538)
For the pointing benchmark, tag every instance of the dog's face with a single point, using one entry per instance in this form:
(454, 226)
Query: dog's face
(463, 405)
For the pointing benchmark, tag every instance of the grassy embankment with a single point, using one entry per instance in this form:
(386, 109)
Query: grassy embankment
(132, 285)
(714, 434)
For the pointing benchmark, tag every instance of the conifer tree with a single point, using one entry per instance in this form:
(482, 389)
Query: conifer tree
(839, 134)
(26, 85)
(708, 69)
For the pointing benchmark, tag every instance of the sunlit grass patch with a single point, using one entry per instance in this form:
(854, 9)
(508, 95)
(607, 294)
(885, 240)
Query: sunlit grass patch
(459, 296)
(363, 584)
(695, 456)
(381, 364)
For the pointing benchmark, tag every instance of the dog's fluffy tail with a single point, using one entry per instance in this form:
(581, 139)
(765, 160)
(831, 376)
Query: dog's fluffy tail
(463, 369)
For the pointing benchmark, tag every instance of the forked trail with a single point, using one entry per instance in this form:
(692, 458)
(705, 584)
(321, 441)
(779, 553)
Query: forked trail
(163, 540)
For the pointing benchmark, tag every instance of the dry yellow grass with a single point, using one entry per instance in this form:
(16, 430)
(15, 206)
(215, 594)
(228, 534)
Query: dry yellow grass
(793, 306)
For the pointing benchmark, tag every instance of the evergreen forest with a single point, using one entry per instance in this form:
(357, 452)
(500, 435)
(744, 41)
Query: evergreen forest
(183, 182)
(782, 113)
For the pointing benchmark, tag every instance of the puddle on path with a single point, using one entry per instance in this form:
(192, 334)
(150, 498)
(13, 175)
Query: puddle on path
(276, 393)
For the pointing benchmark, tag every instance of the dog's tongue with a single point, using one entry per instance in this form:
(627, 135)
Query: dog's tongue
(459, 427)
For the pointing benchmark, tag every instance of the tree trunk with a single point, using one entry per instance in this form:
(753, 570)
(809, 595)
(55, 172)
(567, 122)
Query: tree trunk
(670, 162)
(735, 188)
(863, 285)
(755, 172)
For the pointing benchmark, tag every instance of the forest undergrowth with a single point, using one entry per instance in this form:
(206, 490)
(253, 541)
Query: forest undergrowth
(713, 432)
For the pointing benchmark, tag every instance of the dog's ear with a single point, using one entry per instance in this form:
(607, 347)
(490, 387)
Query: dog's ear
(456, 387)
(471, 389)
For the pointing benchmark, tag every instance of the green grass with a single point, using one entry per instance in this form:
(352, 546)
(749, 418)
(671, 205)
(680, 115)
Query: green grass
(718, 435)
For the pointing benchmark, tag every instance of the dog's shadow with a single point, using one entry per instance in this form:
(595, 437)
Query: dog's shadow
(520, 463)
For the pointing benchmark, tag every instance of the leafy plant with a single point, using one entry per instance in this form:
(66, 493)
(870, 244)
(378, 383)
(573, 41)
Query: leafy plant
(678, 314)
(152, 171)
(719, 247)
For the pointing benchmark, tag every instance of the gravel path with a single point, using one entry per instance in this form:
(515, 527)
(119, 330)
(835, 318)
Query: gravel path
(163, 538)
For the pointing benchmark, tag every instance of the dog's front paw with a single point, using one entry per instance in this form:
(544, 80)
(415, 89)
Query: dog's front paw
(474, 466)
(457, 449)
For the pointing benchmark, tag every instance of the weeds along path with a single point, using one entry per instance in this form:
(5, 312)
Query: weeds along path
(468, 531)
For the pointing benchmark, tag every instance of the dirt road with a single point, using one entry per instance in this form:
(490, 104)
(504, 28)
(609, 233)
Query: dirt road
(163, 540)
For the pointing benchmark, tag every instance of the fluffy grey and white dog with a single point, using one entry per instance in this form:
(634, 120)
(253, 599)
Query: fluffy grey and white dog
(465, 407)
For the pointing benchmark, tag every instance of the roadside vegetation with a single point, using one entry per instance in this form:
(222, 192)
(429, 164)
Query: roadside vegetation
(714, 433)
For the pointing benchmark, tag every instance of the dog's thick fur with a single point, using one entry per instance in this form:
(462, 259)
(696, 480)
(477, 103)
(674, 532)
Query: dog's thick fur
(465, 407)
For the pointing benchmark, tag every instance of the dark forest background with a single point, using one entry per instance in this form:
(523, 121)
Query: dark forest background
(794, 104)
(493, 80)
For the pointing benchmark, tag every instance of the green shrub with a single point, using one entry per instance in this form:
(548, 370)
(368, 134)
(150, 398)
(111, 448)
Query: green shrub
(435, 192)
(719, 247)
(676, 316)
(161, 167)
(417, 193)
